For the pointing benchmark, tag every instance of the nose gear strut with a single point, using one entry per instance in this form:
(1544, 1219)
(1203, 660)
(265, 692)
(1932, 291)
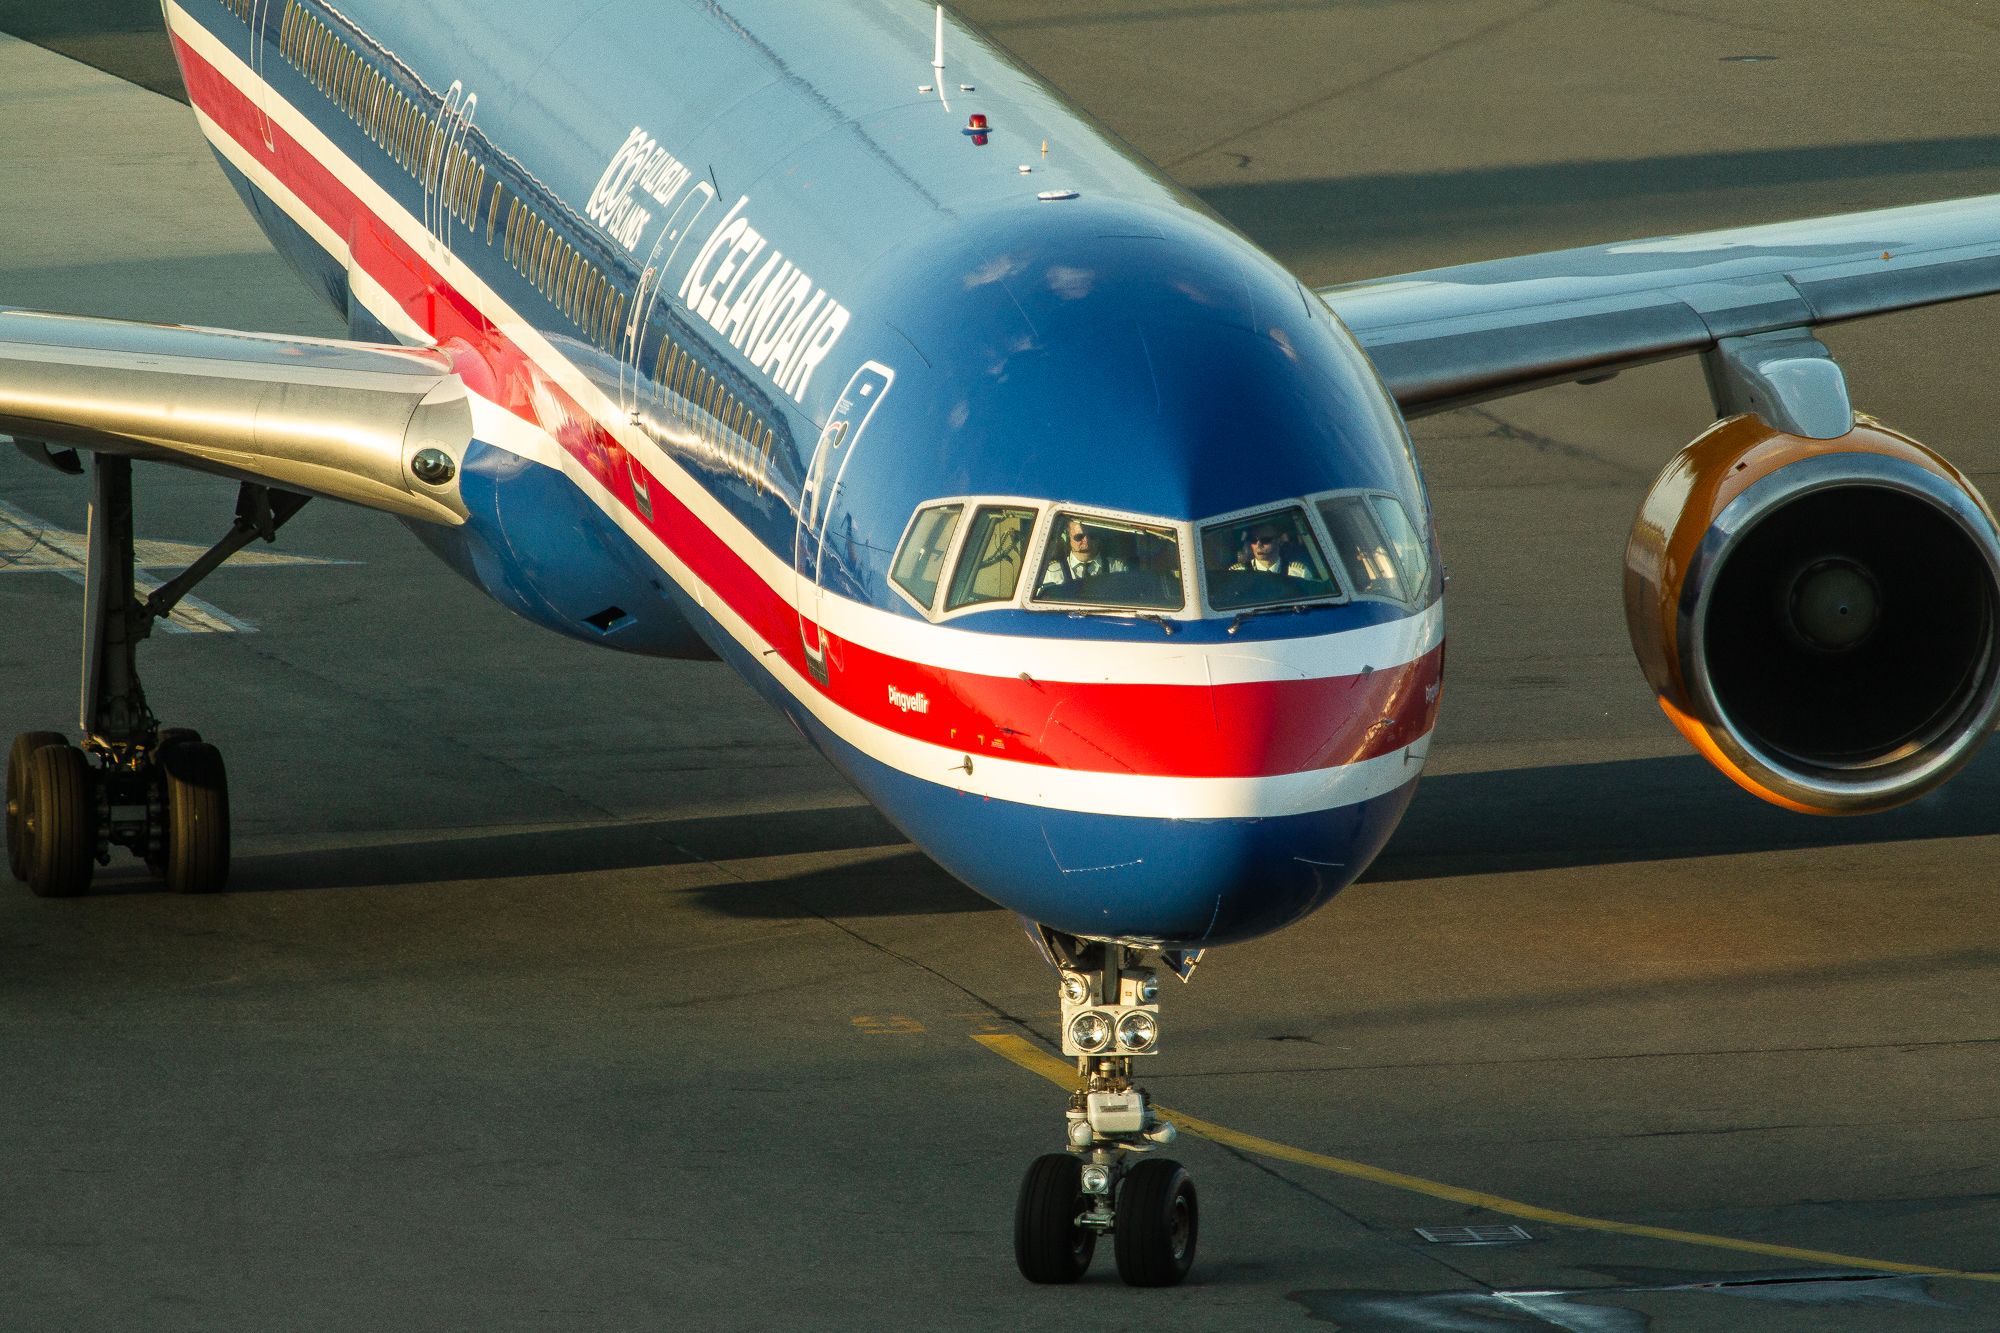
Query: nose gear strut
(162, 793)
(1110, 1017)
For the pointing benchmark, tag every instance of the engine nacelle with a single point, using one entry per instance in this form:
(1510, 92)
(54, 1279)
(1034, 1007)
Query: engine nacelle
(1820, 618)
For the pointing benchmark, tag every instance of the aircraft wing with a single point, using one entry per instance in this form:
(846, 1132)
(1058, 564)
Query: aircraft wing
(341, 420)
(1453, 336)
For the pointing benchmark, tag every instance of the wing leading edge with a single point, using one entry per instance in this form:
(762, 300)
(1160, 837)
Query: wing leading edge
(1449, 337)
(341, 420)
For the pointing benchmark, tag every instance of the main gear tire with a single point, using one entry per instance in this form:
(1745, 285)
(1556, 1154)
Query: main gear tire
(196, 856)
(25, 744)
(59, 819)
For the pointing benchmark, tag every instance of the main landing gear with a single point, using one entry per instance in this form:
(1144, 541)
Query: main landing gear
(1110, 1016)
(162, 793)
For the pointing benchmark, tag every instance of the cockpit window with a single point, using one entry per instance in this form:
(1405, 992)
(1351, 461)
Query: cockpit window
(920, 562)
(1377, 546)
(1412, 556)
(1264, 560)
(1111, 563)
(989, 567)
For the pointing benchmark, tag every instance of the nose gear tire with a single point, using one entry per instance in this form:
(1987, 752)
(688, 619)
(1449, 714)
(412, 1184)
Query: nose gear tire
(1158, 1222)
(1048, 1244)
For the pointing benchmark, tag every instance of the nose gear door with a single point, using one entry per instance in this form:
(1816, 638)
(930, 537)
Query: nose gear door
(837, 443)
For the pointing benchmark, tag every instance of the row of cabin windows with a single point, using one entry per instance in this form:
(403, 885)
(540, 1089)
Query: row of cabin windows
(729, 427)
(573, 284)
(385, 115)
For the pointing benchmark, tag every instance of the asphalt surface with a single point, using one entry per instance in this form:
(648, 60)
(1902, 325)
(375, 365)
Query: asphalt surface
(560, 989)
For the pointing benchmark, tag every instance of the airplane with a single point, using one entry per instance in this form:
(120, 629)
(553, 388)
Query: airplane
(1075, 531)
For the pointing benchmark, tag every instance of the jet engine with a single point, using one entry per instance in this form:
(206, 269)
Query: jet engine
(1819, 617)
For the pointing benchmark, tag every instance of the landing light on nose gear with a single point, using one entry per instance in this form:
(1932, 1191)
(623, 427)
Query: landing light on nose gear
(1110, 1016)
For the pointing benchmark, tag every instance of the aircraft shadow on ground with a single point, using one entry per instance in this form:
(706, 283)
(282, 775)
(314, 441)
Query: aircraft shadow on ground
(1645, 810)
(1461, 825)
(899, 882)
(528, 854)
(1633, 197)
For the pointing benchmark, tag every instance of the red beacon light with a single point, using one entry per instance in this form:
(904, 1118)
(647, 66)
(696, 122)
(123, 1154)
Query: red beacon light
(978, 130)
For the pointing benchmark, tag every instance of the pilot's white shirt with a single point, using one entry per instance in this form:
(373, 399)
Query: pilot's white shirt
(1069, 567)
(1295, 570)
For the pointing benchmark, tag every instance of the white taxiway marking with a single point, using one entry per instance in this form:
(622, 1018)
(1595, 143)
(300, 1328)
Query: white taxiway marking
(30, 546)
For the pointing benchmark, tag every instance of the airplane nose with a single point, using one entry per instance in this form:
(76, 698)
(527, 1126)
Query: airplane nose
(1197, 882)
(1190, 815)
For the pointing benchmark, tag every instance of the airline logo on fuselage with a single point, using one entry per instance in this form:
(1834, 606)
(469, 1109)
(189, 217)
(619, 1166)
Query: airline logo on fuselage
(761, 303)
(777, 315)
(640, 164)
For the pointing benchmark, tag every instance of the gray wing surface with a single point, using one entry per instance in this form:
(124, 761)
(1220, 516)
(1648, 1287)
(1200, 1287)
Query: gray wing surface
(1453, 336)
(327, 418)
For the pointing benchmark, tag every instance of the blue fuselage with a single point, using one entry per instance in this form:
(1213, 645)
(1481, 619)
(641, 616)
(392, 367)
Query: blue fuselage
(760, 301)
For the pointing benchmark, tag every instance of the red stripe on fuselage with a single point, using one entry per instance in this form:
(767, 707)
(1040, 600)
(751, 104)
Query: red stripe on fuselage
(1241, 730)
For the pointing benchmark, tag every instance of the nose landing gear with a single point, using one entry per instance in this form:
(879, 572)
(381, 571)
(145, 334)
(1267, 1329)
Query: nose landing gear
(162, 793)
(1110, 1015)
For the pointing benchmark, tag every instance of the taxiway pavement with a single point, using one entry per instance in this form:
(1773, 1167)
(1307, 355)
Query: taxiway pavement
(560, 989)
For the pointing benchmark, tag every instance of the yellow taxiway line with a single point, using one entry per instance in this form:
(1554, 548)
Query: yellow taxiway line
(1062, 1073)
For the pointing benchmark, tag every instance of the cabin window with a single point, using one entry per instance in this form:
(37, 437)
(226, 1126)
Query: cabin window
(1264, 560)
(1377, 546)
(919, 562)
(1093, 561)
(538, 269)
(405, 121)
(989, 564)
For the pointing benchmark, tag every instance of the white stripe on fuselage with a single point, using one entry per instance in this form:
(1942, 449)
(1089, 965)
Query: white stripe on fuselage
(1347, 653)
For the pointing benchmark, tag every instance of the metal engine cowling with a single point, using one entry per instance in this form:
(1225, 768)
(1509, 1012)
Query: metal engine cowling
(1820, 618)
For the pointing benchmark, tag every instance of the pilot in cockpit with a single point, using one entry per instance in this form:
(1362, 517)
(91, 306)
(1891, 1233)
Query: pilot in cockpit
(1264, 552)
(1082, 557)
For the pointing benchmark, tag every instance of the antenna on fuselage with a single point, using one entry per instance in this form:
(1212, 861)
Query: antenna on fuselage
(937, 60)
